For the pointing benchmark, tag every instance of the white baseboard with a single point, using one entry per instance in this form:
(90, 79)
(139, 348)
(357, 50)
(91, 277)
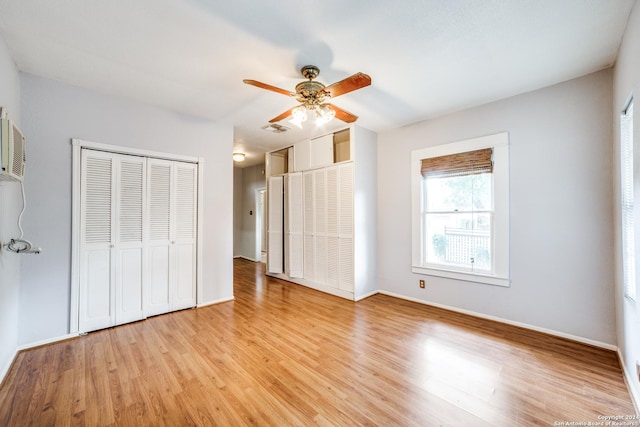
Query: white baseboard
(313, 285)
(508, 322)
(5, 369)
(218, 301)
(247, 258)
(630, 380)
(47, 341)
(370, 294)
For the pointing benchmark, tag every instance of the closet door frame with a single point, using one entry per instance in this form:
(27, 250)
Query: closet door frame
(77, 146)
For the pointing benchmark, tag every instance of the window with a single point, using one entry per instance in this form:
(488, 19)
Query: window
(626, 193)
(461, 210)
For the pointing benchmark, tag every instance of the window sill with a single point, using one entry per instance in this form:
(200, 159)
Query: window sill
(460, 275)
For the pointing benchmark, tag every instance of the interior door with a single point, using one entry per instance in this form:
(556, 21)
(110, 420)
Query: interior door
(183, 235)
(294, 218)
(111, 233)
(96, 237)
(128, 246)
(275, 249)
(159, 253)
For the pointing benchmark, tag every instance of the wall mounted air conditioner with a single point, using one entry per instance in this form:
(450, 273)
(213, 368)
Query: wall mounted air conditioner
(12, 154)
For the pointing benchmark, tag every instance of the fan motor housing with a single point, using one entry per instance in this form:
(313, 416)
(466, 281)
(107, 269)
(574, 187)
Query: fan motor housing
(310, 92)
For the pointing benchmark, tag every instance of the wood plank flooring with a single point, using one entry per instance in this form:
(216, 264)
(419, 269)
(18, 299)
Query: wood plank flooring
(282, 354)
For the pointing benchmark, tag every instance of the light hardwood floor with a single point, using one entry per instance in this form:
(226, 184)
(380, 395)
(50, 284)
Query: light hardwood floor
(282, 354)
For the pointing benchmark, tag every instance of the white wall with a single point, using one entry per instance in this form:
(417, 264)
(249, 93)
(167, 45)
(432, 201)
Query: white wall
(237, 212)
(10, 205)
(52, 114)
(626, 80)
(561, 212)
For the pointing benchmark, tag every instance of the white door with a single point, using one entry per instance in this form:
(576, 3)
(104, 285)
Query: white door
(128, 246)
(183, 235)
(333, 224)
(309, 226)
(294, 218)
(96, 236)
(111, 248)
(172, 210)
(346, 265)
(320, 232)
(275, 234)
(159, 210)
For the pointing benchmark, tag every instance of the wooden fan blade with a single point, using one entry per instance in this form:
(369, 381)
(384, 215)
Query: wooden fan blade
(268, 87)
(357, 81)
(282, 116)
(343, 115)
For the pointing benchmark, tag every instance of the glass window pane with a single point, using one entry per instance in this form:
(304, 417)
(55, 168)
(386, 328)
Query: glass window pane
(460, 193)
(459, 239)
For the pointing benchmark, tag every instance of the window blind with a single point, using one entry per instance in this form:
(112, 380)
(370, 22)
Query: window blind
(627, 204)
(459, 164)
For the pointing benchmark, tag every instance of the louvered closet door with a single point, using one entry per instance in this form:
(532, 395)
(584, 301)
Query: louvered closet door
(96, 237)
(332, 227)
(294, 220)
(275, 225)
(320, 237)
(172, 210)
(129, 248)
(159, 179)
(346, 217)
(309, 226)
(184, 236)
(111, 251)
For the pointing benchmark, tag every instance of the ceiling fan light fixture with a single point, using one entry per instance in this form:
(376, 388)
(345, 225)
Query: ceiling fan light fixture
(324, 114)
(238, 157)
(298, 115)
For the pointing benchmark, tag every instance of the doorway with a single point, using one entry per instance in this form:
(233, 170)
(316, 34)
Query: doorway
(261, 226)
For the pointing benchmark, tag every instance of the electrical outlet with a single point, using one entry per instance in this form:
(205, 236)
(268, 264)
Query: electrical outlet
(422, 284)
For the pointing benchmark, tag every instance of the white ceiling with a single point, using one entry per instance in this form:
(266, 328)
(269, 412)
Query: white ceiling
(425, 57)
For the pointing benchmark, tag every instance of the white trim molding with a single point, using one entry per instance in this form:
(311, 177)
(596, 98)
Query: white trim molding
(215, 302)
(507, 322)
(630, 380)
(499, 276)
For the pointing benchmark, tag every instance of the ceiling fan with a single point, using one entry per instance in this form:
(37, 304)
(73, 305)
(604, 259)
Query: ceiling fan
(312, 95)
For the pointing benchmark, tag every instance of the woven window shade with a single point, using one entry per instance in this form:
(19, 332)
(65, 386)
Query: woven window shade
(459, 164)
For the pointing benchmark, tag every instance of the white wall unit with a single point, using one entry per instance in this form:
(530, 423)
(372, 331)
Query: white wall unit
(302, 156)
(335, 260)
(321, 151)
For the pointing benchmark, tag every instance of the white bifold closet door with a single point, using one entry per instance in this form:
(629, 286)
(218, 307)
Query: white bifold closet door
(275, 229)
(294, 221)
(328, 212)
(346, 197)
(111, 234)
(171, 204)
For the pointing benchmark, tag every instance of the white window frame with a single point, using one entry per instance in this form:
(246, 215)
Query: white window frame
(627, 205)
(500, 256)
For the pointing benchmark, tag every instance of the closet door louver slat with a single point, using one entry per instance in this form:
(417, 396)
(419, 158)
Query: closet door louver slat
(159, 197)
(185, 202)
(131, 203)
(97, 200)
